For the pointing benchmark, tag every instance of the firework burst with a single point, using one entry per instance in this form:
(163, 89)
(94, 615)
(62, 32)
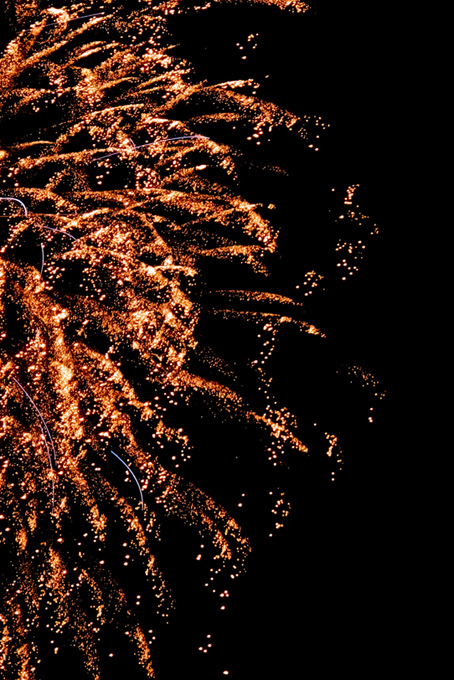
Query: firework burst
(115, 189)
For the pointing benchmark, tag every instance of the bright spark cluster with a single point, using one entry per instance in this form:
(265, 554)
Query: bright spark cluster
(106, 212)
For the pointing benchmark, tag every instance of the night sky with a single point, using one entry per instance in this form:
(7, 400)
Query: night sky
(330, 593)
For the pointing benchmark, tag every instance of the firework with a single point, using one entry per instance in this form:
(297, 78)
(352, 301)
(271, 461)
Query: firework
(115, 189)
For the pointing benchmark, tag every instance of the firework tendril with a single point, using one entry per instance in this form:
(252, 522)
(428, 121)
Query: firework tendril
(98, 337)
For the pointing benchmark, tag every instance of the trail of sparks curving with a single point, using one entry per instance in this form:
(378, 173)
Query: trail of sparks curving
(98, 334)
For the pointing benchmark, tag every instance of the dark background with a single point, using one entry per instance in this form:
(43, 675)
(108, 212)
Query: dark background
(335, 591)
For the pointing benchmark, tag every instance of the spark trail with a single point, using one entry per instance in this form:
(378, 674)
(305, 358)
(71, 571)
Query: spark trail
(106, 328)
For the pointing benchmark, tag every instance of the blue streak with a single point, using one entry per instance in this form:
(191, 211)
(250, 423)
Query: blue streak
(44, 428)
(59, 231)
(133, 476)
(42, 258)
(10, 198)
(157, 141)
(40, 416)
(84, 16)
